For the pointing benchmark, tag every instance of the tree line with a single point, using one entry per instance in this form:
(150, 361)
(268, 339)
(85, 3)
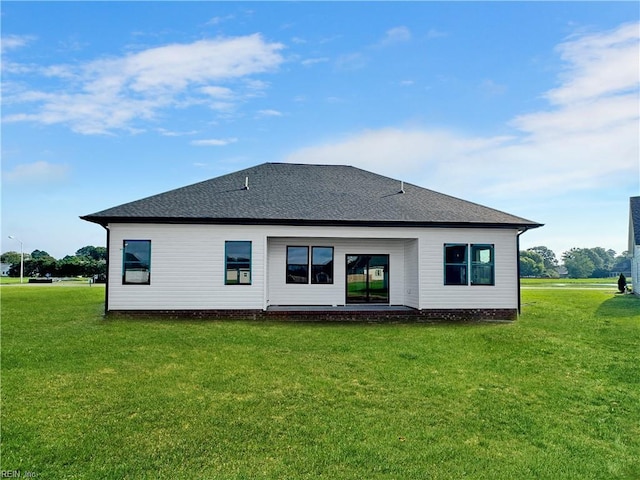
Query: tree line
(87, 262)
(579, 263)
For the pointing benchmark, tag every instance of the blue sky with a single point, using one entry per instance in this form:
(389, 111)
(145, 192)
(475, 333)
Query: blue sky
(530, 108)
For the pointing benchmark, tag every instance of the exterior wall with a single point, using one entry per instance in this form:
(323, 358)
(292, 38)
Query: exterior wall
(412, 274)
(187, 267)
(434, 294)
(282, 293)
(635, 270)
(634, 249)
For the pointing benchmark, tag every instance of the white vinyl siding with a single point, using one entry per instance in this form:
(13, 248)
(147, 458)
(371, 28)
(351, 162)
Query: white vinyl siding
(435, 295)
(188, 263)
(282, 293)
(412, 274)
(635, 269)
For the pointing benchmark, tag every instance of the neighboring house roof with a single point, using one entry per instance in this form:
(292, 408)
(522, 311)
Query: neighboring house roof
(634, 217)
(300, 194)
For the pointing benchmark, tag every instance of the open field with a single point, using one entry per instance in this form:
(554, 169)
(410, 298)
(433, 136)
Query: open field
(555, 395)
(601, 283)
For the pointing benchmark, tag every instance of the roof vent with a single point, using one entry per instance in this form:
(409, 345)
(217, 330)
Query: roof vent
(401, 187)
(246, 183)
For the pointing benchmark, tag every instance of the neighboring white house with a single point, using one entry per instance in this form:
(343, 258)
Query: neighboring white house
(4, 269)
(634, 242)
(287, 236)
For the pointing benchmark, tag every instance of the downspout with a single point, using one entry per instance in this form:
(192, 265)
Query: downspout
(265, 274)
(106, 286)
(518, 268)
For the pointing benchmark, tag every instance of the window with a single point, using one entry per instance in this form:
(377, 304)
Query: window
(318, 268)
(482, 271)
(297, 264)
(237, 263)
(321, 264)
(455, 264)
(136, 262)
(479, 263)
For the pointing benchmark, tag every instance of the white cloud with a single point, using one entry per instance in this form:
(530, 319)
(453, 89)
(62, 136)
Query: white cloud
(587, 139)
(597, 65)
(491, 88)
(269, 113)
(396, 35)
(176, 66)
(255, 88)
(11, 42)
(351, 61)
(217, 92)
(313, 61)
(113, 93)
(425, 156)
(37, 172)
(219, 20)
(170, 133)
(214, 142)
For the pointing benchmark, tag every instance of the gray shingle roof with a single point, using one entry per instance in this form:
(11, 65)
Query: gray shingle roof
(635, 219)
(282, 193)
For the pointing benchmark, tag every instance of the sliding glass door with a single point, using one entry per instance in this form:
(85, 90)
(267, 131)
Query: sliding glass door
(367, 278)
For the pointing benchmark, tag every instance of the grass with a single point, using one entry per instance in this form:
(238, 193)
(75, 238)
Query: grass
(555, 395)
(573, 282)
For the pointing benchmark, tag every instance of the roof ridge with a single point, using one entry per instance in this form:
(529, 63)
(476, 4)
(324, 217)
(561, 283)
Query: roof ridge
(309, 164)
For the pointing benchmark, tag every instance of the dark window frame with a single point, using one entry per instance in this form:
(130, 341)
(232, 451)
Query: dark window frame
(454, 268)
(318, 269)
(236, 265)
(294, 269)
(474, 271)
(136, 264)
(477, 265)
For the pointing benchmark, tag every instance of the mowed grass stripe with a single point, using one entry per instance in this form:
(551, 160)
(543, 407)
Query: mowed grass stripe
(554, 395)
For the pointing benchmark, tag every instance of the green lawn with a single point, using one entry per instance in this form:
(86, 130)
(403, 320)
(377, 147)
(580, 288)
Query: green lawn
(610, 282)
(555, 395)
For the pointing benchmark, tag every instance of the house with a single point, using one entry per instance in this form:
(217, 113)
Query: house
(288, 238)
(634, 242)
(5, 268)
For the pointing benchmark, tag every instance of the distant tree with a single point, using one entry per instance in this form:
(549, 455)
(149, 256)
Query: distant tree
(36, 254)
(622, 263)
(96, 253)
(94, 267)
(10, 257)
(607, 257)
(531, 264)
(579, 263)
(72, 266)
(39, 266)
(549, 258)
